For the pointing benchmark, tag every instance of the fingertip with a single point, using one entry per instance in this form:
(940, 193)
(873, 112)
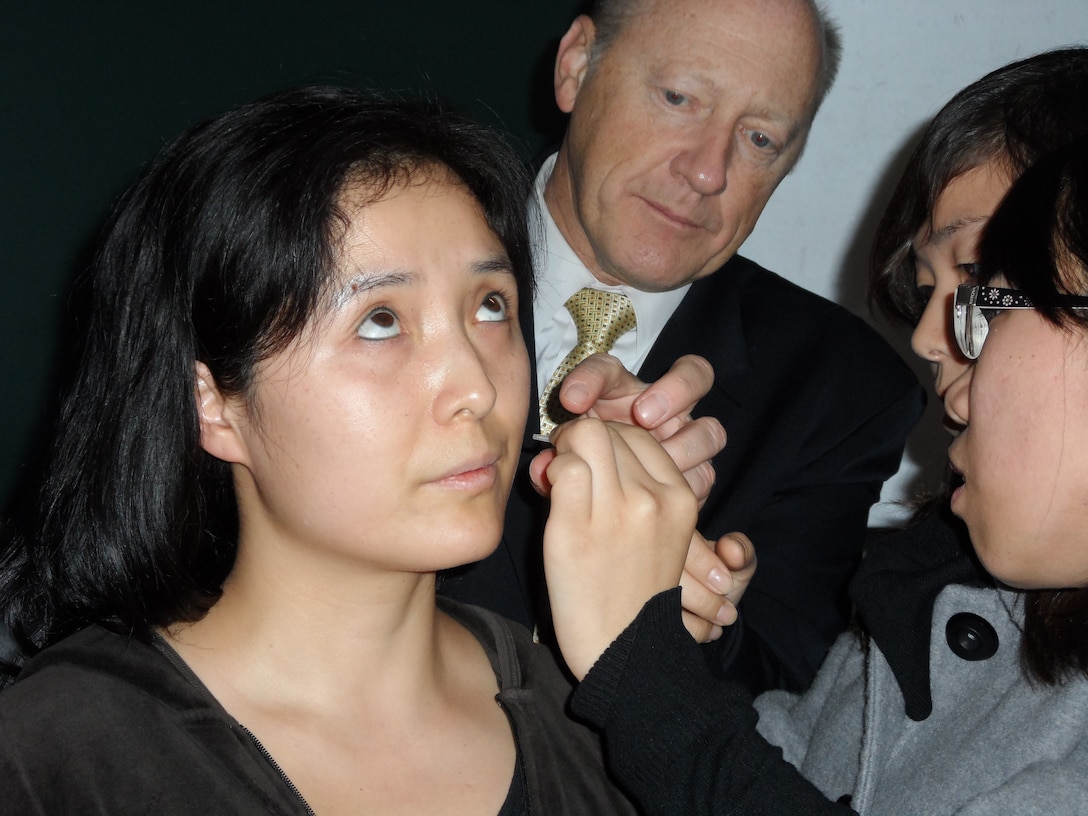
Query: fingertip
(703, 375)
(721, 580)
(701, 478)
(717, 430)
(589, 382)
(538, 471)
(651, 409)
(747, 549)
(736, 550)
(575, 396)
(727, 614)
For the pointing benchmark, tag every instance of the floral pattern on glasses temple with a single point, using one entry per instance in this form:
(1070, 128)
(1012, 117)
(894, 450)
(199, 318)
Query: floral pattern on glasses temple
(975, 306)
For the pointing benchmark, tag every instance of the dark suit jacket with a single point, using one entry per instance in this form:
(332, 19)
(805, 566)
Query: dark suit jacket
(817, 408)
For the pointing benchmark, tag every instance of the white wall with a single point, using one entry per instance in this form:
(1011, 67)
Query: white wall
(901, 63)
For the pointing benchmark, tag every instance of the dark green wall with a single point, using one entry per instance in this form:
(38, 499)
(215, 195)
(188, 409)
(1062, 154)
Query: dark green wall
(90, 90)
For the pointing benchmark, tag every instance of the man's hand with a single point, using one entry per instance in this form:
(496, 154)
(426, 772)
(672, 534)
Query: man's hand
(715, 577)
(621, 519)
(601, 387)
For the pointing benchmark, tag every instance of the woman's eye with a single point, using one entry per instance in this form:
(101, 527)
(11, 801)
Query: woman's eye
(925, 293)
(493, 309)
(969, 270)
(380, 324)
(675, 97)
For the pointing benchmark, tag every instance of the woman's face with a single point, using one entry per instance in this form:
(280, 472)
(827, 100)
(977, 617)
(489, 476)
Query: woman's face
(390, 429)
(945, 258)
(1025, 402)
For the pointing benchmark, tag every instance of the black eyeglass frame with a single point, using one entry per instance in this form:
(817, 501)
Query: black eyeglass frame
(975, 306)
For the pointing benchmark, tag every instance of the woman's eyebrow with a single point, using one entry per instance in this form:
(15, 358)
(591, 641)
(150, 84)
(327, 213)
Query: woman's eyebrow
(496, 263)
(939, 236)
(363, 282)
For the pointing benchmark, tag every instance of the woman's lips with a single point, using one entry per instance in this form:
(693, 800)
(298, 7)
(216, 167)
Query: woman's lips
(476, 474)
(958, 482)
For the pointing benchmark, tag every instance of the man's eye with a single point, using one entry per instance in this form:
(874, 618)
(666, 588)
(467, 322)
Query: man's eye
(493, 309)
(760, 139)
(675, 97)
(380, 324)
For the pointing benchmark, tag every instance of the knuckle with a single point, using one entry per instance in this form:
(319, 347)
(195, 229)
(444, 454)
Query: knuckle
(680, 502)
(703, 604)
(707, 435)
(714, 427)
(583, 428)
(703, 477)
(705, 371)
(697, 373)
(604, 366)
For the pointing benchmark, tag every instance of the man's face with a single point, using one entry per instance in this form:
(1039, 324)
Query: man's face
(679, 133)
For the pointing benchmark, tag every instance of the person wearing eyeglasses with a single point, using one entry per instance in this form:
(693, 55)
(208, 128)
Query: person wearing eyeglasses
(965, 690)
(976, 306)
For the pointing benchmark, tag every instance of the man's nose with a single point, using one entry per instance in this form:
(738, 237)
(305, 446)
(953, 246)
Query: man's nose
(704, 164)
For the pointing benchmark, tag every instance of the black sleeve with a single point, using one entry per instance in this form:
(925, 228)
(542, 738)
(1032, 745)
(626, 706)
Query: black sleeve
(679, 740)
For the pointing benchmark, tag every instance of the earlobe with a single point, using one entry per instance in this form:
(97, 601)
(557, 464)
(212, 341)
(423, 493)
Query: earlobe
(218, 432)
(572, 61)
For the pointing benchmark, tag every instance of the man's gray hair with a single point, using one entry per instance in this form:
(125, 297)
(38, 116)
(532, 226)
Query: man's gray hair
(610, 16)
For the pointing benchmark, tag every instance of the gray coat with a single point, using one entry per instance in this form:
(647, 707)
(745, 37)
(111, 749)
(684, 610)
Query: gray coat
(990, 743)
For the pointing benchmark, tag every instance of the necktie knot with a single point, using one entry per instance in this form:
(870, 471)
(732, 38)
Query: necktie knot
(601, 318)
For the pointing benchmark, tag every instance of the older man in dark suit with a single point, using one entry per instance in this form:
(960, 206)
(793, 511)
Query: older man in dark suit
(684, 117)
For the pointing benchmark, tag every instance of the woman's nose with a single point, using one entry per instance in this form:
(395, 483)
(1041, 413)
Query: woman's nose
(466, 386)
(932, 339)
(957, 397)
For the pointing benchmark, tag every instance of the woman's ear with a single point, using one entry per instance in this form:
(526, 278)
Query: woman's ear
(219, 424)
(572, 61)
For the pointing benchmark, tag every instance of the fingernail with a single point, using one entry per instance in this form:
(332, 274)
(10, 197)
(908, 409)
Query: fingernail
(722, 580)
(576, 393)
(725, 614)
(652, 409)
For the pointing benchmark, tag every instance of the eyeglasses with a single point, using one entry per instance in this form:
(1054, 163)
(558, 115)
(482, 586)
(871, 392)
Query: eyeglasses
(977, 305)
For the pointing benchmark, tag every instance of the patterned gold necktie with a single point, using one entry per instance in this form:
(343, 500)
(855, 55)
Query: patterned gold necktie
(601, 319)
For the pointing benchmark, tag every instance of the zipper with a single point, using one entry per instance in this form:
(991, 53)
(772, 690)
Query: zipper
(168, 651)
(276, 767)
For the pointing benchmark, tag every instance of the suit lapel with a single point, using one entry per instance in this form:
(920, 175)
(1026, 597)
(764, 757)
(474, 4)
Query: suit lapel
(708, 322)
